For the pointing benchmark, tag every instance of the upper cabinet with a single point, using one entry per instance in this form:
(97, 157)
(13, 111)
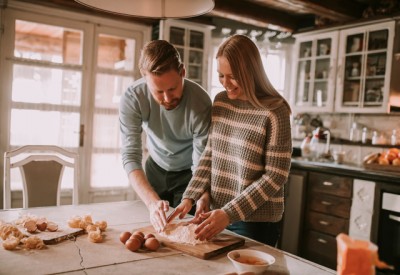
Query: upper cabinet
(365, 62)
(315, 71)
(346, 70)
(192, 41)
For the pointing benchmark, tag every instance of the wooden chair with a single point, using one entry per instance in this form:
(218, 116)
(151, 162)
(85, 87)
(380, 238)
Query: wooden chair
(42, 168)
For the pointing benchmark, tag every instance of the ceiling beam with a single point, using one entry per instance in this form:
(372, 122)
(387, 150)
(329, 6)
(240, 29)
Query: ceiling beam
(336, 10)
(253, 14)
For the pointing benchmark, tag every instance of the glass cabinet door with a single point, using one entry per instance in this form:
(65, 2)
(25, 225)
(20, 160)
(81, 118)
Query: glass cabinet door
(315, 73)
(366, 61)
(190, 40)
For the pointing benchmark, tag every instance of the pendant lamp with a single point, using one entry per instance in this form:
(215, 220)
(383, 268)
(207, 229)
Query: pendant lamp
(159, 9)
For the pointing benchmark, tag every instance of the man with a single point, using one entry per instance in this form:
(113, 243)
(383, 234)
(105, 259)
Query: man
(175, 114)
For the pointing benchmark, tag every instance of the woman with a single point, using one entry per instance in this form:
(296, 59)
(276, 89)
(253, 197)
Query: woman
(247, 158)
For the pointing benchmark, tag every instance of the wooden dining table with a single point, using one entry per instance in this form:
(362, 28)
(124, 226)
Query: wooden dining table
(77, 255)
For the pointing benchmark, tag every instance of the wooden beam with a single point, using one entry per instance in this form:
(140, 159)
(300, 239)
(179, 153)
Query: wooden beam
(253, 14)
(336, 10)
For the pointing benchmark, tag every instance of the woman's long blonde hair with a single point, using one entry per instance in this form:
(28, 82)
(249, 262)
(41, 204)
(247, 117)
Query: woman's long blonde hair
(248, 70)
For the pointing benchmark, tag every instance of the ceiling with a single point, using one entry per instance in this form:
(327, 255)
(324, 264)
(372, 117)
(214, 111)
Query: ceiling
(287, 16)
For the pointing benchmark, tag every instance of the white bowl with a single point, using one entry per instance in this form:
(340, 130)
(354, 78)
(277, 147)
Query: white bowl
(240, 256)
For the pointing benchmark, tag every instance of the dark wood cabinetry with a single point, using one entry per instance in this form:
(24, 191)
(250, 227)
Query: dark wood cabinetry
(328, 208)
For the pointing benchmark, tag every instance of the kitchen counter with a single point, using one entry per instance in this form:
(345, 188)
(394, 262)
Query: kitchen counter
(80, 256)
(352, 170)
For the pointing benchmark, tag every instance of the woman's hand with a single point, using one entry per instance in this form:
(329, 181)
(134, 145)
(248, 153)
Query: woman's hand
(182, 209)
(214, 222)
(202, 206)
(157, 211)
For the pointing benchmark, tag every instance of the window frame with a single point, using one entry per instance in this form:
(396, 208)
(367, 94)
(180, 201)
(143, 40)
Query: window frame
(15, 10)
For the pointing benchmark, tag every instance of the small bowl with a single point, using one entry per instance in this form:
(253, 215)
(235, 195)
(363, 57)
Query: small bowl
(248, 260)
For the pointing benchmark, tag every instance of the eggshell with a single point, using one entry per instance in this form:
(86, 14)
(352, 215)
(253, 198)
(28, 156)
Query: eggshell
(149, 235)
(138, 237)
(152, 244)
(133, 244)
(124, 236)
(138, 232)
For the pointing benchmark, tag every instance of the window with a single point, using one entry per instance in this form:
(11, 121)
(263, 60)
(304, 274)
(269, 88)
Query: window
(63, 75)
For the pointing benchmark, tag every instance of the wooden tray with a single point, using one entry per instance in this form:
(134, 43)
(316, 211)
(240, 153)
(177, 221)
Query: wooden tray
(55, 237)
(379, 167)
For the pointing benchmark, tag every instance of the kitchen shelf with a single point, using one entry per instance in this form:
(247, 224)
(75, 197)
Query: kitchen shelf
(340, 141)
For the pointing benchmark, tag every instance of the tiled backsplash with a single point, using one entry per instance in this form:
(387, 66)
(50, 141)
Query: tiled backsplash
(340, 124)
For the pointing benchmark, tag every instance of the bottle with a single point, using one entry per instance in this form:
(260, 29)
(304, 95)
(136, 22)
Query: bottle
(314, 144)
(305, 147)
(354, 133)
(393, 138)
(375, 137)
(364, 136)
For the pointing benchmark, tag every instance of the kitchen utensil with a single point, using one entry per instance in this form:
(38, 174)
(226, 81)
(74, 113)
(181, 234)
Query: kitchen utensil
(338, 156)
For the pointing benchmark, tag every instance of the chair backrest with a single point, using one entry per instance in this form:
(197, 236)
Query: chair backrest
(42, 168)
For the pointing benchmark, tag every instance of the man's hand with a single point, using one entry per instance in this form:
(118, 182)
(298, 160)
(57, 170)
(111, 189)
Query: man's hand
(202, 206)
(157, 211)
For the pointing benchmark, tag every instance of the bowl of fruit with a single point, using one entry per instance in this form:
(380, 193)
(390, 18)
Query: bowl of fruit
(388, 160)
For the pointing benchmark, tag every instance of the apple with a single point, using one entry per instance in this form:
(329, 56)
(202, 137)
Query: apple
(390, 156)
(396, 162)
(383, 161)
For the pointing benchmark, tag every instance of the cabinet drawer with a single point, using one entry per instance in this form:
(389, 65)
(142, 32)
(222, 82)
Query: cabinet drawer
(332, 205)
(327, 224)
(321, 248)
(331, 184)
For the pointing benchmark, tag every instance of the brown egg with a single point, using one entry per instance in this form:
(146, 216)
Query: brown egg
(124, 236)
(139, 237)
(133, 244)
(152, 244)
(149, 235)
(138, 232)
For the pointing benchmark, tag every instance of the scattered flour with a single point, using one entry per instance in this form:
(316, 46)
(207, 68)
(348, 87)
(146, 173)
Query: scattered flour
(182, 233)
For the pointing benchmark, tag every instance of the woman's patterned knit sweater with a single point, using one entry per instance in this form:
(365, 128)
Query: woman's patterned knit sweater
(246, 161)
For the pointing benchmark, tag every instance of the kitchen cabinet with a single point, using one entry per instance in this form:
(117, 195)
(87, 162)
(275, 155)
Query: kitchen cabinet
(347, 69)
(315, 72)
(365, 61)
(192, 41)
(327, 214)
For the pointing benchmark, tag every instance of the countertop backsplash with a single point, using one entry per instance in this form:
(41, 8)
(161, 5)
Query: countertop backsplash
(340, 125)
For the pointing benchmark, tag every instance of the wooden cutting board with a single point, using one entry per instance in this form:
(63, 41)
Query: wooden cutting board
(220, 244)
(55, 237)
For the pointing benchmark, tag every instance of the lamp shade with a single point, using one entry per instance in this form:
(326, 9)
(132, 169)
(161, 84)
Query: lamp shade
(152, 8)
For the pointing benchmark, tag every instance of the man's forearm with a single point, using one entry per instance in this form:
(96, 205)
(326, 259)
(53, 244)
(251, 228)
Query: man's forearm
(142, 187)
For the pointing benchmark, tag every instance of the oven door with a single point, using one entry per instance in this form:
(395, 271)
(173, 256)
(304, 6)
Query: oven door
(389, 232)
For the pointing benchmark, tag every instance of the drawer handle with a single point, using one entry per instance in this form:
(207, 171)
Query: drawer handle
(327, 183)
(324, 222)
(326, 203)
(322, 240)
